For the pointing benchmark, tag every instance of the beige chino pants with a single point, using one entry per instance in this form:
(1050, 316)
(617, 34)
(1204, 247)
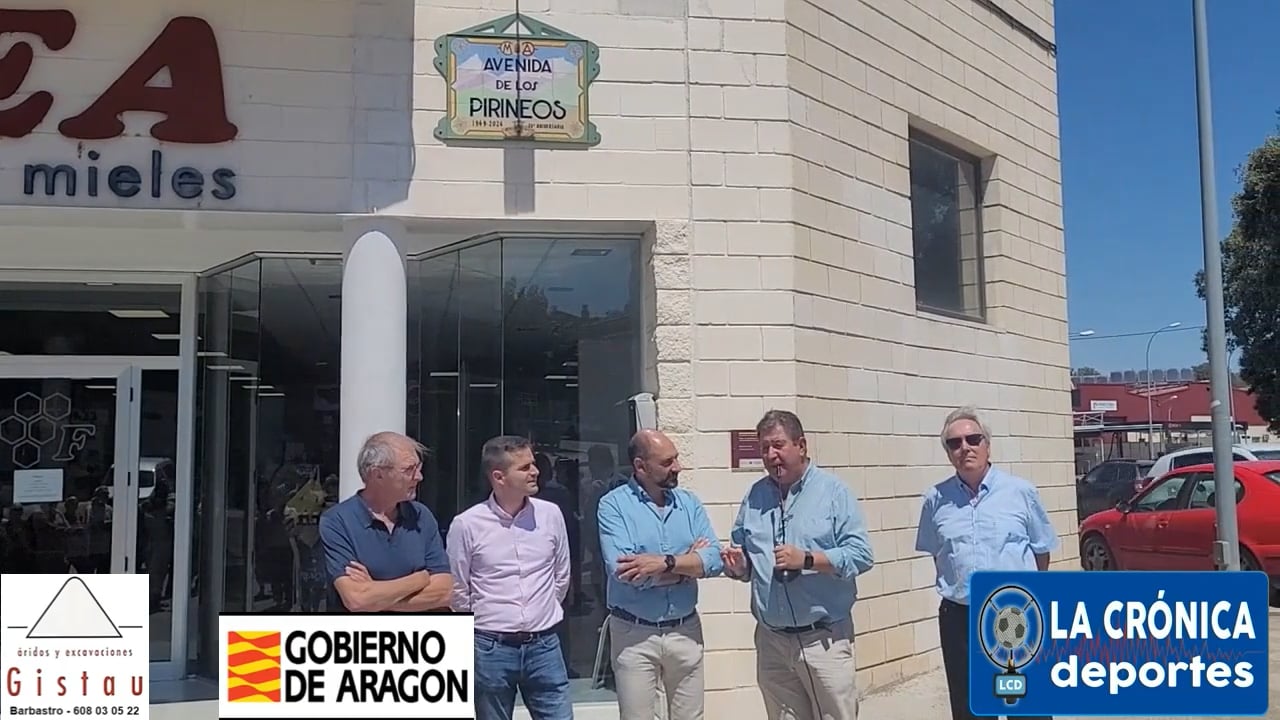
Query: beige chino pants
(809, 675)
(657, 665)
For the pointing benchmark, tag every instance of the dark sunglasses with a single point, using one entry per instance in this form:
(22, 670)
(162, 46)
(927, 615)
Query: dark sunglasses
(973, 440)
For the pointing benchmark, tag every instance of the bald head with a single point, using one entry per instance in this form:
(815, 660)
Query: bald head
(654, 459)
(642, 444)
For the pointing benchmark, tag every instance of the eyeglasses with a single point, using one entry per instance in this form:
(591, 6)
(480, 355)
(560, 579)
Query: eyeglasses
(408, 470)
(973, 440)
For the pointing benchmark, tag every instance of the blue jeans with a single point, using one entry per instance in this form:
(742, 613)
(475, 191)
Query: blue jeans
(535, 668)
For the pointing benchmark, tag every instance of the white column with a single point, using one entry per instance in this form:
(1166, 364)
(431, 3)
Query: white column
(374, 322)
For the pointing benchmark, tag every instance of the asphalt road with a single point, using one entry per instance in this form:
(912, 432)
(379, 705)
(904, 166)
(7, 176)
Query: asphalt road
(926, 696)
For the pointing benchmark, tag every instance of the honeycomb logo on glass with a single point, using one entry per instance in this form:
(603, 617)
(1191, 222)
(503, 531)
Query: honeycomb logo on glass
(35, 423)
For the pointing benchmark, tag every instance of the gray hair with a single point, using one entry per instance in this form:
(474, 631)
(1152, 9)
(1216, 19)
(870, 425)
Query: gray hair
(497, 451)
(379, 451)
(784, 419)
(964, 413)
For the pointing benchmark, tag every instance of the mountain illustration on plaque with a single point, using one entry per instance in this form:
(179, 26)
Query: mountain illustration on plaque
(517, 79)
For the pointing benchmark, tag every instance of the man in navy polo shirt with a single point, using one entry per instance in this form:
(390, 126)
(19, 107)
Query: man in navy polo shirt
(383, 550)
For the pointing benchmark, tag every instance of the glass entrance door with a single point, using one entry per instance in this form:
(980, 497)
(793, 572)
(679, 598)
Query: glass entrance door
(64, 485)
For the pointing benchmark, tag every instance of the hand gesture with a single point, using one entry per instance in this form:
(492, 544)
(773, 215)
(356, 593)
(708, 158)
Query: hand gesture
(788, 557)
(632, 568)
(698, 544)
(735, 562)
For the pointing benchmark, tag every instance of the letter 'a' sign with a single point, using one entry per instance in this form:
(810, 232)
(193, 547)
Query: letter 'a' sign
(193, 105)
(517, 79)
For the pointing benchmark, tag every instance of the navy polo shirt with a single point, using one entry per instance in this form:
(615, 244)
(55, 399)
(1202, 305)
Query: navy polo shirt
(350, 533)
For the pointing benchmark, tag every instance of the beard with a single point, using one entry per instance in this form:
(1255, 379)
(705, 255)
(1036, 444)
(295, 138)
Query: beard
(670, 482)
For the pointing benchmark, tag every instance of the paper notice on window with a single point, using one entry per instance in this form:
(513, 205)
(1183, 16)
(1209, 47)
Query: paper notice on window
(37, 486)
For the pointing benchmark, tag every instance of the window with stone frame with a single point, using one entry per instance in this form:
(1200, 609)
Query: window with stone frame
(946, 228)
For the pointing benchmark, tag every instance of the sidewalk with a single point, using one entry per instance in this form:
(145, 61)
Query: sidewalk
(925, 696)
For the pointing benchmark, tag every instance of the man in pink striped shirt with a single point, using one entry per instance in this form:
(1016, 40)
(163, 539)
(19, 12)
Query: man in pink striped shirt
(510, 561)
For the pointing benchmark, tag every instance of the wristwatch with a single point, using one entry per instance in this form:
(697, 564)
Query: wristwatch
(808, 560)
(671, 562)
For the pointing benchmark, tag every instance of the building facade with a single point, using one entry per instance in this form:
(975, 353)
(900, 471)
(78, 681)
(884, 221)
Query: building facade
(239, 237)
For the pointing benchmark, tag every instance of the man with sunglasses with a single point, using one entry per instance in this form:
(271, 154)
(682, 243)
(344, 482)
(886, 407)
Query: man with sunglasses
(980, 518)
(383, 550)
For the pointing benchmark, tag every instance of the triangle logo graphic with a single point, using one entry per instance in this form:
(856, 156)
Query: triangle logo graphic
(74, 613)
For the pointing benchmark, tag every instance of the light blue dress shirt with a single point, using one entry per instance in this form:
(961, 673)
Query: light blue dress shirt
(820, 513)
(1001, 527)
(632, 524)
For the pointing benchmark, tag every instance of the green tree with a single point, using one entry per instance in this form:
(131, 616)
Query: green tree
(1251, 277)
(1203, 375)
(1202, 372)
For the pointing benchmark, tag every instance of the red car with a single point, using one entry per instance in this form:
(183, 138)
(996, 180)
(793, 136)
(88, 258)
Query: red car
(1172, 525)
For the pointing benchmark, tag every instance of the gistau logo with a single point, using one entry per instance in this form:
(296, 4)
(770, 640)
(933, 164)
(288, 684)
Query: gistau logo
(74, 625)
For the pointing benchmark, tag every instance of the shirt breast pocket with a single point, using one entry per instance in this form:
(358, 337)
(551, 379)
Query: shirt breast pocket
(817, 532)
(1012, 529)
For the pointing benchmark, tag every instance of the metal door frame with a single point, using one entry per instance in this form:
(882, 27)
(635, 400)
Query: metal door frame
(124, 492)
(127, 370)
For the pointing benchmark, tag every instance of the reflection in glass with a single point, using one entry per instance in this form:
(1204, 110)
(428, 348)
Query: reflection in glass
(267, 462)
(538, 337)
(68, 318)
(57, 484)
(946, 229)
(157, 498)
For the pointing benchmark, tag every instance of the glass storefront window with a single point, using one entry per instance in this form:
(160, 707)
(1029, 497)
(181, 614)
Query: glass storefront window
(89, 318)
(267, 438)
(538, 337)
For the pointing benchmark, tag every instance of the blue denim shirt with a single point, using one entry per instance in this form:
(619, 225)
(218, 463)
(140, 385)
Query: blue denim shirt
(630, 524)
(1001, 527)
(821, 513)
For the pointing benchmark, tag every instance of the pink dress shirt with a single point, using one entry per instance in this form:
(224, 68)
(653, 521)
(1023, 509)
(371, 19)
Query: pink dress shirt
(512, 572)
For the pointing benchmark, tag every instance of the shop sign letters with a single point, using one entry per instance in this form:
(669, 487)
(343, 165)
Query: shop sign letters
(193, 107)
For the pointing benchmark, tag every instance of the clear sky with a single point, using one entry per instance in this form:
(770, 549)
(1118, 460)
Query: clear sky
(1130, 162)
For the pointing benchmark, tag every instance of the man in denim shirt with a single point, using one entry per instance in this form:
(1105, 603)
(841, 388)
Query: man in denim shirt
(801, 541)
(656, 540)
(980, 518)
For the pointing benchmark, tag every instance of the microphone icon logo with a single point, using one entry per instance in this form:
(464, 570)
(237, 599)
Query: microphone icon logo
(1011, 629)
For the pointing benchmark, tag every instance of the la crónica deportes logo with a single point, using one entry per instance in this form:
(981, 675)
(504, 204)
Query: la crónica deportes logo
(1118, 643)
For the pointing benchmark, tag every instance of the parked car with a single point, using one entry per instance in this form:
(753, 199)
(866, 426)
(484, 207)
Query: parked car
(150, 469)
(1172, 524)
(1108, 483)
(1204, 455)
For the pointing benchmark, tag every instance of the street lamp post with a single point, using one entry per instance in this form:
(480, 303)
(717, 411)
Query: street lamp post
(1231, 398)
(1151, 422)
(1227, 548)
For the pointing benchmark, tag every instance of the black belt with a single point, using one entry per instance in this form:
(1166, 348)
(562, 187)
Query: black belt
(514, 639)
(624, 615)
(820, 625)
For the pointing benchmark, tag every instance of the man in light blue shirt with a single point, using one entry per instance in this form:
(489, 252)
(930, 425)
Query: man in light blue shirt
(656, 540)
(980, 518)
(801, 540)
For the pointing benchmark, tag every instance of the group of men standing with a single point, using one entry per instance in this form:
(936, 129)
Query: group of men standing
(800, 539)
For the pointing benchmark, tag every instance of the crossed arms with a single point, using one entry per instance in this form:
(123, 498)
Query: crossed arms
(416, 592)
(624, 561)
